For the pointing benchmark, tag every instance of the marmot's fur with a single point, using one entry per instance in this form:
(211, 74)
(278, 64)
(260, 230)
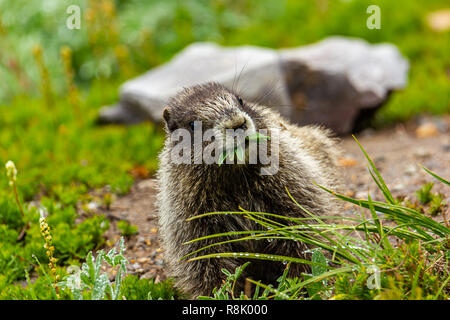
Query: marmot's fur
(306, 154)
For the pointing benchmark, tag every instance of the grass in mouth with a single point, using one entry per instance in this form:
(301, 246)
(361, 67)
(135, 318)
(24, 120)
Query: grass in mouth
(239, 150)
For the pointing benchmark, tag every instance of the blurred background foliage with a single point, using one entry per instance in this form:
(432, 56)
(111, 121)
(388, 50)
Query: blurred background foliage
(53, 79)
(123, 38)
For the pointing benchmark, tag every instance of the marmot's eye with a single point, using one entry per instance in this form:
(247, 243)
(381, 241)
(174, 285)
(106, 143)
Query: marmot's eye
(240, 101)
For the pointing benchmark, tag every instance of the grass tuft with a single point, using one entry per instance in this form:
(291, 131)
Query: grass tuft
(402, 254)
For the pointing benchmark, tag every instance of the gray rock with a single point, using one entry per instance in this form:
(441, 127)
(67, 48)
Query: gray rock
(337, 82)
(340, 82)
(254, 72)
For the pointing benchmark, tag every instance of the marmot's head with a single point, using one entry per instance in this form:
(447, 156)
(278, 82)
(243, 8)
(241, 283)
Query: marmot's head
(212, 107)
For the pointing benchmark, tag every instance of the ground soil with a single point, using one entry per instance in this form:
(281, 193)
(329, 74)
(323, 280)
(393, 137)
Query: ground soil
(396, 151)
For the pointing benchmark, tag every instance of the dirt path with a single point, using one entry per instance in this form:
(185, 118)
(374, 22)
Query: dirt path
(395, 151)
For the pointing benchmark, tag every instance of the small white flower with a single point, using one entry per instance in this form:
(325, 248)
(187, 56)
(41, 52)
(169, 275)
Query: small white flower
(11, 172)
(43, 213)
(92, 205)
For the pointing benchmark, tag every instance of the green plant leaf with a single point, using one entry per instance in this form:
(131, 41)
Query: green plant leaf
(320, 261)
(239, 152)
(222, 158)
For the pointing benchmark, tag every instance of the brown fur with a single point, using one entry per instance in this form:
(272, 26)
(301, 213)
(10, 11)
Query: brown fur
(307, 154)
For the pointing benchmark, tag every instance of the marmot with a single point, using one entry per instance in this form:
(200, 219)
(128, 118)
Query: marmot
(306, 154)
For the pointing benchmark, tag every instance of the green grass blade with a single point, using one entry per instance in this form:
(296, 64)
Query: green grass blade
(222, 158)
(436, 176)
(259, 256)
(383, 239)
(402, 214)
(321, 277)
(381, 184)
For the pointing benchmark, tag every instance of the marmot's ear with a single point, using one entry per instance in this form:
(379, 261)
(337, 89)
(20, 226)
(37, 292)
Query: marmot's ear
(171, 125)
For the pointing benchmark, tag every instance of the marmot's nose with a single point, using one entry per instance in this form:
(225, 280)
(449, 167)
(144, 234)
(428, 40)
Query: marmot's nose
(236, 123)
